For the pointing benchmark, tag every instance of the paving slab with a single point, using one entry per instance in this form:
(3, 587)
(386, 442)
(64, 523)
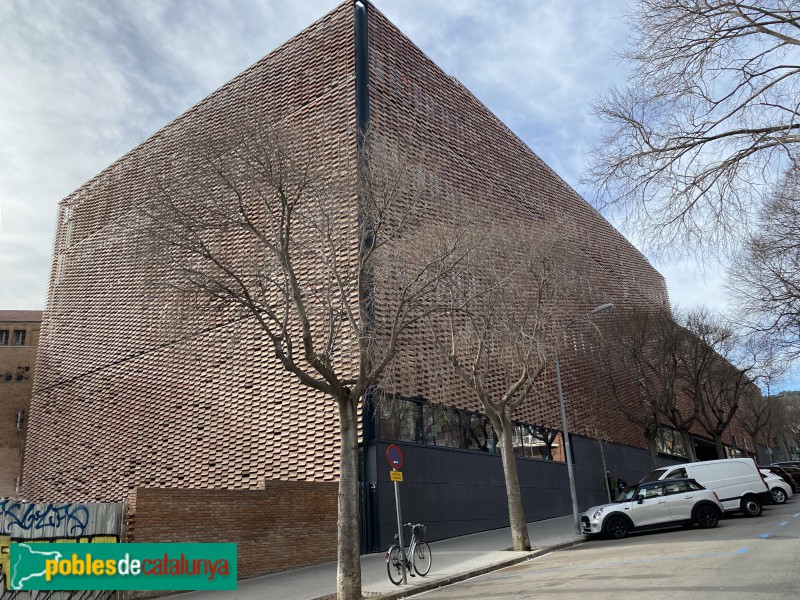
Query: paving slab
(454, 559)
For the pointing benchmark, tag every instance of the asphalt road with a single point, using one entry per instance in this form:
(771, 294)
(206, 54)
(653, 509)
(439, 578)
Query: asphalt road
(741, 558)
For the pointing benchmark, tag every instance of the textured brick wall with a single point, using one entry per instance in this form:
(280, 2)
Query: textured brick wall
(473, 157)
(17, 373)
(119, 403)
(122, 401)
(287, 525)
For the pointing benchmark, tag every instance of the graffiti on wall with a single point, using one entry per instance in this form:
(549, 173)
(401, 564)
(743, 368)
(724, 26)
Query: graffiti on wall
(55, 522)
(35, 517)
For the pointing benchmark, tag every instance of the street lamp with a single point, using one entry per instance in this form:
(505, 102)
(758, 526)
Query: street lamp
(567, 449)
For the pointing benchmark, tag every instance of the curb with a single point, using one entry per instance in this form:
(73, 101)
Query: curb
(425, 587)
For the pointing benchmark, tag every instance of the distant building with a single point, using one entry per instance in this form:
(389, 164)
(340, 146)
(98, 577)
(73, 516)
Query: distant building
(122, 403)
(19, 340)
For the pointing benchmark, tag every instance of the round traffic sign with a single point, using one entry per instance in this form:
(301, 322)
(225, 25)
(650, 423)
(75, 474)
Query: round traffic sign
(395, 456)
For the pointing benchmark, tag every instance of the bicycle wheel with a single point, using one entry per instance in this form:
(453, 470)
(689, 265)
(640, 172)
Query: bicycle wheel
(422, 558)
(394, 564)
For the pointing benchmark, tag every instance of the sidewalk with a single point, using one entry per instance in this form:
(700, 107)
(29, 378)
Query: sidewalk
(453, 560)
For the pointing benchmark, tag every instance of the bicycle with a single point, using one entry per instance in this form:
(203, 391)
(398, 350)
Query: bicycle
(418, 555)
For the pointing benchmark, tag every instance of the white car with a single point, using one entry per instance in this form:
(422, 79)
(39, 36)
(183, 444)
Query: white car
(654, 504)
(781, 491)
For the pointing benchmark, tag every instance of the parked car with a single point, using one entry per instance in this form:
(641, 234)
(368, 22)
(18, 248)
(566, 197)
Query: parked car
(789, 474)
(791, 463)
(781, 491)
(654, 504)
(788, 465)
(737, 481)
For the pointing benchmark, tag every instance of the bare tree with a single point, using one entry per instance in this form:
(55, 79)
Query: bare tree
(707, 119)
(787, 409)
(641, 371)
(498, 331)
(714, 384)
(252, 223)
(756, 414)
(764, 277)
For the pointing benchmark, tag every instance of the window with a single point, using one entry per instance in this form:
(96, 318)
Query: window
(414, 420)
(677, 487)
(398, 419)
(19, 337)
(3, 337)
(652, 492)
(669, 441)
(537, 442)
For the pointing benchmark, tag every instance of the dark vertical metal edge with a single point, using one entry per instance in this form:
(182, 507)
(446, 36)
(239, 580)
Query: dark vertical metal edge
(368, 499)
(362, 68)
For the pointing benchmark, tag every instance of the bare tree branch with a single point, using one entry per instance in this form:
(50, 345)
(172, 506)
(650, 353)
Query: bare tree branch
(251, 223)
(502, 299)
(706, 124)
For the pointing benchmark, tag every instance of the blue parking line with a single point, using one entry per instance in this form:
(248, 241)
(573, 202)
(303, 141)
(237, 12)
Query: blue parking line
(797, 515)
(783, 524)
(764, 536)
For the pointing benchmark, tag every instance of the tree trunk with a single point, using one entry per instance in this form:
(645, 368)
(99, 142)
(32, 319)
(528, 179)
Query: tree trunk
(786, 448)
(348, 573)
(720, 447)
(688, 445)
(754, 439)
(653, 449)
(516, 514)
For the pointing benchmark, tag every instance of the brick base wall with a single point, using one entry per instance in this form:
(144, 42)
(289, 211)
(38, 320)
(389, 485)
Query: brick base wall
(287, 525)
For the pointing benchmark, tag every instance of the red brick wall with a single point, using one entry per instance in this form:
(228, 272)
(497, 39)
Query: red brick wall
(287, 525)
(474, 157)
(121, 402)
(137, 390)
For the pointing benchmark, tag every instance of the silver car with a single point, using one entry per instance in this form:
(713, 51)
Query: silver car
(654, 504)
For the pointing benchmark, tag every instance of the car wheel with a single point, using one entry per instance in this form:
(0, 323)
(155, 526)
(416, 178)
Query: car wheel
(751, 506)
(706, 516)
(778, 495)
(617, 528)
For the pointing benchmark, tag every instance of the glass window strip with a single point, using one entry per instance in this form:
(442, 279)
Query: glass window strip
(417, 421)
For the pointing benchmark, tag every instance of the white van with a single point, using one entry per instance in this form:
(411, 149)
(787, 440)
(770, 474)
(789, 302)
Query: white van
(736, 481)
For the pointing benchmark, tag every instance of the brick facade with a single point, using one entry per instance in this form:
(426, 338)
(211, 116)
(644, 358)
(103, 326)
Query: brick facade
(120, 403)
(286, 525)
(473, 155)
(19, 340)
(123, 402)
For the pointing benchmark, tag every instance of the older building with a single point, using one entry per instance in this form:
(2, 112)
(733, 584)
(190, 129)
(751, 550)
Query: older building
(123, 402)
(19, 339)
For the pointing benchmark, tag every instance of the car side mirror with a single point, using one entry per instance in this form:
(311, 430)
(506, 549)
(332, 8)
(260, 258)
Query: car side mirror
(640, 498)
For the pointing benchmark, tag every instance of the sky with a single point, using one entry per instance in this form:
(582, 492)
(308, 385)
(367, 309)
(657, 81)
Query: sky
(84, 81)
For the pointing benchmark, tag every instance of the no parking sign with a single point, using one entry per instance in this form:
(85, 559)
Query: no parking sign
(394, 456)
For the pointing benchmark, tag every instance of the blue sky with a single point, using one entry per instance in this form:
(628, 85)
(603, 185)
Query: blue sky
(84, 81)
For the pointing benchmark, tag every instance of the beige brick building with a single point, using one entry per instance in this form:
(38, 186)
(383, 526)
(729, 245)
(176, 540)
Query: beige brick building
(19, 340)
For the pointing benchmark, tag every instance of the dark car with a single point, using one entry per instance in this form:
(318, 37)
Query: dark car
(788, 473)
(787, 463)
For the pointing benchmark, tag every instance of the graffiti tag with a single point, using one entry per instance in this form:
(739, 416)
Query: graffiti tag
(32, 517)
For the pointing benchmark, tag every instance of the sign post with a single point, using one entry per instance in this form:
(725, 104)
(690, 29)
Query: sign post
(394, 456)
